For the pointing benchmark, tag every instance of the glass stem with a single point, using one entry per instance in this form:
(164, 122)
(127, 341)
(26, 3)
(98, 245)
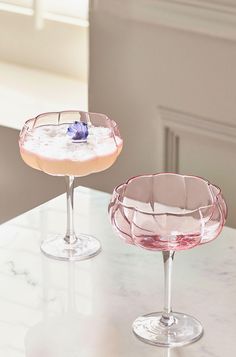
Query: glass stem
(70, 237)
(167, 318)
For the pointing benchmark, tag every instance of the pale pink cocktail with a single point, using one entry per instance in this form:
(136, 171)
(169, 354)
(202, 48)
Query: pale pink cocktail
(49, 149)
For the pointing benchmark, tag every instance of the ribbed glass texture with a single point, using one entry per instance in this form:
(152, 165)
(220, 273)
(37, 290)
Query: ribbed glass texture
(167, 211)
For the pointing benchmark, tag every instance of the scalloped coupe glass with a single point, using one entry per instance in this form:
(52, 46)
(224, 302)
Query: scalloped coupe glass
(70, 144)
(167, 212)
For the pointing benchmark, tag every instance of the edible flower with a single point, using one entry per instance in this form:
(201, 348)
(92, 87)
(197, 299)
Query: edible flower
(79, 131)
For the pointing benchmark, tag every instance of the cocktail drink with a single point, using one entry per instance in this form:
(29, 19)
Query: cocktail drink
(167, 212)
(70, 144)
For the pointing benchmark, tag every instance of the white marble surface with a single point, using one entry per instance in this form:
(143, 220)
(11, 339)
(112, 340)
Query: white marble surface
(86, 309)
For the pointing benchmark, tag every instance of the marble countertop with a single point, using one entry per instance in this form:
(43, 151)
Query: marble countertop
(86, 309)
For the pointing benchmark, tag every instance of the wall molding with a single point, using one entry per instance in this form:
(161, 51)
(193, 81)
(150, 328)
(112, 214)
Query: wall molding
(175, 124)
(210, 17)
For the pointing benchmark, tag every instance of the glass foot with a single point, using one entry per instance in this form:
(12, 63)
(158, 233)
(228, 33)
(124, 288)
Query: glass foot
(184, 330)
(85, 247)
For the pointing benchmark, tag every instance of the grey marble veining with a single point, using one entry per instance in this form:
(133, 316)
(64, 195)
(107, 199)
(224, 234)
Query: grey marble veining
(86, 309)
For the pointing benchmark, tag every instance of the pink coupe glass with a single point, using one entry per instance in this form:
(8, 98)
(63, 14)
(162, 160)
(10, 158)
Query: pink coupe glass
(70, 144)
(167, 212)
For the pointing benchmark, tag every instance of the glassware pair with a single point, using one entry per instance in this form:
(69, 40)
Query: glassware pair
(163, 212)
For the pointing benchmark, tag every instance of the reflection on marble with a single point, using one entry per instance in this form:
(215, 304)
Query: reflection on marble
(86, 309)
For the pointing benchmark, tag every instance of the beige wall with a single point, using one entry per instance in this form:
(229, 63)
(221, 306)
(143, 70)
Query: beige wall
(152, 79)
(59, 47)
(50, 75)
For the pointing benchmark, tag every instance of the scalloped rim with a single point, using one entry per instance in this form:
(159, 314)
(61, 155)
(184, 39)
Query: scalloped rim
(215, 197)
(69, 111)
(112, 123)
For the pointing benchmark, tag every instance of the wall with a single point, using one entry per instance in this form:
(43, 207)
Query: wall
(58, 47)
(170, 88)
(41, 71)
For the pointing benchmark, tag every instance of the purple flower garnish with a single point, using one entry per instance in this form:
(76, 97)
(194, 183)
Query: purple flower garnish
(79, 131)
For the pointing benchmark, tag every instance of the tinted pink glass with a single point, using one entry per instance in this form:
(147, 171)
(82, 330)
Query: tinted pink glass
(167, 211)
(72, 144)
